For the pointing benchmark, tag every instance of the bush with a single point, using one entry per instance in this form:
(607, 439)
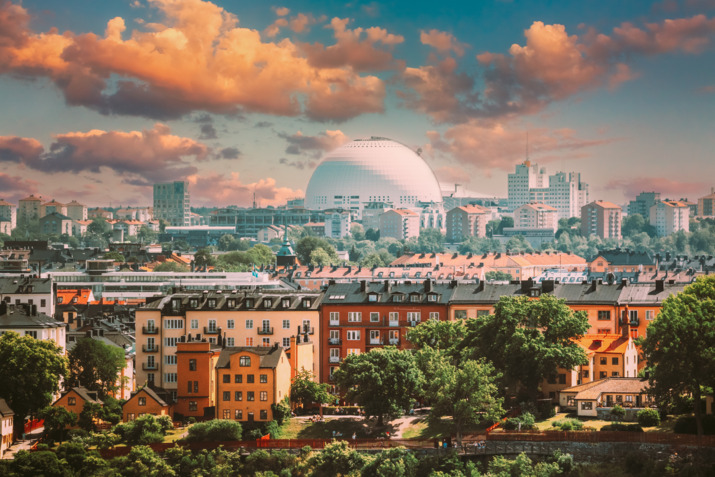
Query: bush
(216, 430)
(622, 427)
(145, 429)
(648, 417)
(526, 420)
(568, 424)
(687, 425)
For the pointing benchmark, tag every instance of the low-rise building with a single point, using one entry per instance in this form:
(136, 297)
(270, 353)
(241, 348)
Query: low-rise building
(597, 398)
(145, 401)
(29, 291)
(7, 417)
(74, 399)
(623, 261)
(25, 320)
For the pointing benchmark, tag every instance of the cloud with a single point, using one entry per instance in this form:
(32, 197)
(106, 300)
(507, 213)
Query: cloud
(452, 174)
(214, 189)
(314, 146)
(208, 131)
(229, 153)
(19, 149)
(299, 164)
(361, 49)
(501, 145)
(668, 188)
(15, 188)
(299, 23)
(707, 89)
(194, 58)
(442, 41)
(263, 124)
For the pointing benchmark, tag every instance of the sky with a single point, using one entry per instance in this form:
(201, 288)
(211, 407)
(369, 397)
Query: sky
(99, 100)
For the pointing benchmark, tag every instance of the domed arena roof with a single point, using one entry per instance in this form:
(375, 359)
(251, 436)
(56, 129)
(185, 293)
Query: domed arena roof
(371, 170)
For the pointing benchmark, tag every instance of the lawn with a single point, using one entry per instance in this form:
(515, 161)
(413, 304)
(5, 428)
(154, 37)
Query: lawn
(299, 428)
(423, 429)
(597, 424)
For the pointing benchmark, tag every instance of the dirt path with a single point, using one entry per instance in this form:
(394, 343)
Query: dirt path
(401, 424)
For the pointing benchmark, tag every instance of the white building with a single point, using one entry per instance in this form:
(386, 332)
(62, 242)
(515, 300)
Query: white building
(142, 214)
(563, 191)
(29, 291)
(8, 212)
(536, 216)
(670, 216)
(27, 320)
(337, 224)
(526, 176)
(172, 203)
(76, 211)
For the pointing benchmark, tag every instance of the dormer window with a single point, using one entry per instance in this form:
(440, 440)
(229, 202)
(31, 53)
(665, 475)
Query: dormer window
(372, 297)
(285, 302)
(267, 303)
(212, 302)
(74, 299)
(431, 297)
(176, 304)
(415, 298)
(398, 298)
(249, 302)
(231, 303)
(194, 303)
(534, 292)
(60, 299)
(307, 302)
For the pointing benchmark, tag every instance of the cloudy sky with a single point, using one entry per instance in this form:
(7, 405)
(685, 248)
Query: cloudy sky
(100, 99)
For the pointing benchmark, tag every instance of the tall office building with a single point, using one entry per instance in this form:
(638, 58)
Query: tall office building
(172, 203)
(526, 177)
(563, 191)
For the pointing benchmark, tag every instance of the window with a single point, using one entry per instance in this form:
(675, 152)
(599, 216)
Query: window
(192, 365)
(374, 317)
(286, 342)
(586, 374)
(227, 395)
(604, 315)
(266, 342)
(71, 401)
(431, 297)
(413, 316)
(264, 378)
(249, 341)
(249, 324)
(231, 303)
(434, 315)
(604, 360)
(194, 324)
(267, 302)
(353, 335)
(394, 316)
(619, 398)
(354, 316)
(633, 315)
(285, 302)
(230, 324)
(173, 324)
(249, 302)
(415, 298)
(227, 414)
(604, 331)
(212, 302)
(230, 342)
(250, 379)
(614, 360)
(306, 302)
(586, 406)
(141, 401)
(460, 314)
(170, 359)
(239, 414)
(615, 374)
(244, 361)
(354, 351)
(570, 401)
(238, 396)
(43, 303)
(170, 377)
(602, 374)
(286, 324)
(629, 398)
(170, 341)
(190, 387)
(249, 396)
(334, 317)
(193, 406)
(562, 378)
(238, 378)
(212, 326)
(649, 315)
(226, 378)
(196, 386)
(194, 303)
(264, 415)
(264, 396)
(372, 297)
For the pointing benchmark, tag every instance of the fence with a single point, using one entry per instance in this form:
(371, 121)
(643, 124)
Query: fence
(33, 424)
(603, 436)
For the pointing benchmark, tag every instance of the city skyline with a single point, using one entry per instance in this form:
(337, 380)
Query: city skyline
(102, 100)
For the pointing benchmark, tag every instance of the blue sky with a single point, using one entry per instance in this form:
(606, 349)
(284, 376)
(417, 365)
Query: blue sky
(101, 99)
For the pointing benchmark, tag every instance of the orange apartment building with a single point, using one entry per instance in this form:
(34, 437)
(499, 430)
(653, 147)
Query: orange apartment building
(250, 380)
(196, 378)
(623, 261)
(145, 401)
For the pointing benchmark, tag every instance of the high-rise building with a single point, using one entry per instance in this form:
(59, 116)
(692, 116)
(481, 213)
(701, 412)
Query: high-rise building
(8, 217)
(76, 211)
(563, 191)
(706, 205)
(670, 216)
(601, 218)
(28, 210)
(526, 177)
(467, 221)
(172, 203)
(642, 204)
(337, 224)
(401, 224)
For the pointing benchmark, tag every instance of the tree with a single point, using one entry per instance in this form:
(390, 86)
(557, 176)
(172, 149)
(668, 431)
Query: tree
(90, 412)
(383, 381)
(680, 346)
(440, 335)
(466, 392)
(497, 275)
(395, 462)
(95, 366)
(116, 256)
(99, 226)
(527, 340)
(320, 257)
(337, 459)
(306, 390)
(57, 419)
(171, 266)
(480, 245)
(357, 232)
(145, 429)
(226, 242)
(307, 245)
(30, 374)
(203, 258)
(142, 461)
(372, 234)
(146, 235)
(430, 241)
(518, 243)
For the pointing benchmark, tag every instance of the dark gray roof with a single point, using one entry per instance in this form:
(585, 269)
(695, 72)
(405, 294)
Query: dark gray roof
(268, 300)
(270, 356)
(626, 257)
(5, 410)
(573, 293)
(55, 215)
(84, 393)
(19, 316)
(649, 293)
(376, 293)
(13, 285)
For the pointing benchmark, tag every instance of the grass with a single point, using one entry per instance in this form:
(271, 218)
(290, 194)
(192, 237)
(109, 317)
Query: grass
(423, 429)
(173, 435)
(305, 429)
(597, 424)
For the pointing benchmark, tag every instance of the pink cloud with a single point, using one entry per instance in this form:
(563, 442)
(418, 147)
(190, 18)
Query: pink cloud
(195, 57)
(452, 174)
(19, 149)
(15, 188)
(668, 188)
(442, 41)
(219, 190)
(314, 146)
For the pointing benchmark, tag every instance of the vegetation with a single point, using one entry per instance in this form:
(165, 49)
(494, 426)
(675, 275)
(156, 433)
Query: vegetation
(95, 366)
(145, 429)
(215, 430)
(306, 390)
(57, 419)
(648, 417)
(568, 424)
(30, 374)
(245, 260)
(524, 422)
(171, 266)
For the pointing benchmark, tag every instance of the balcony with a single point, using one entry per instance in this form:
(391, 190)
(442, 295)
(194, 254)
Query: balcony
(334, 359)
(265, 331)
(413, 323)
(335, 341)
(150, 348)
(375, 341)
(334, 323)
(210, 330)
(635, 321)
(150, 330)
(149, 366)
(394, 322)
(394, 341)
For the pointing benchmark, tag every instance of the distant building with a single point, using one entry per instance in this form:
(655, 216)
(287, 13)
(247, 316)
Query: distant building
(670, 216)
(563, 191)
(706, 205)
(196, 236)
(98, 213)
(6, 422)
(642, 203)
(400, 224)
(53, 206)
(623, 261)
(172, 203)
(601, 218)
(522, 180)
(371, 214)
(26, 320)
(8, 214)
(28, 211)
(596, 398)
(55, 223)
(142, 214)
(76, 211)
(247, 222)
(432, 215)
(74, 399)
(337, 224)
(536, 216)
(467, 221)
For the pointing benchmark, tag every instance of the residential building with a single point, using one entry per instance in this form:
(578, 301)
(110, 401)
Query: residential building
(196, 378)
(99, 213)
(316, 228)
(247, 222)
(536, 216)
(623, 261)
(142, 214)
(371, 214)
(129, 227)
(53, 207)
(7, 417)
(525, 177)
(5, 226)
(8, 214)
(198, 236)
(670, 216)
(358, 317)
(642, 204)
(565, 192)
(145, 401)
(269, 233)
(76, 211)
(432, 215)
(29, 291)
(337, 223)
(401, 224)
(74, 399)
(172, 203)
(28, 210)
(467, 221)
(601, 218)
(250, 380)
(25, 320)
(238, 318)
(597, 398)
(79, 227)
(55, 223)
(706, 205)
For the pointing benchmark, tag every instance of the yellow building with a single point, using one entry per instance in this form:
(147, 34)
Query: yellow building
(249, 381)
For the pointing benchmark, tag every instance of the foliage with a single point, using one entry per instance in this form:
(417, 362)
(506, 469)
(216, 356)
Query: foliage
(568, 424)
(57, 418)
(305, 390)
(372, 234)
(203, 258)
(143, 462)
(171, 266)
(241, 261)
(215, 430)
(44, 463)
(116, 256)
(95, 365)
(30, 374)
(648, 417)
(441, 335)
(524, 422)
(337, 459)
(111, 411)
(518, 243)
(688, 425)
(307, 245)
(90, 411)
(384, 381)
(430, 241)
(527, 340)
(480, 245)
(680, 345)
(617, 412)
(617, 426)
(498, 275)
(395, 462)
(522, 466)
(145, 429)
(275, 461)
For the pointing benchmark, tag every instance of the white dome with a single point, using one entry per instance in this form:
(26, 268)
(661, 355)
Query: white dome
(371, 170)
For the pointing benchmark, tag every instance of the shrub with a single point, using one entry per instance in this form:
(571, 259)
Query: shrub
(145, 429)
(687, 425)
(617, 413)
(216, 430)
(526, 420)
(622, 427)
(648, 417)
(568, 424)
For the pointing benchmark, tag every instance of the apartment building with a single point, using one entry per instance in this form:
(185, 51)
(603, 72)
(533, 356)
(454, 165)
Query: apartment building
(196, 378)
(29, 291)
(55, 223)
(28, 210)
(358, 317)
(536, 216)
(53, 207)
(8, 217)
(238, 318)
(670, 216)
(642, 203)
(706, 205)
(76, 211)
(172, 203)
(337, 224)
(601, 218)
(401, 224)
(467, 221)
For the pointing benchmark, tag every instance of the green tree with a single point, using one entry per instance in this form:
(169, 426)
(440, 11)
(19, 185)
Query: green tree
(226, 242)
(527, 340)
(30, 372)
(383, 381)
(171, 266)
(522, 466)
(306, 390)
(395, 462)
(142, 461)
(680, 346)
(320, 257)
(518, 243)
(43, 463)
(99, 226)
(203, 258)
(357, 232)
(498, 275)
(440, 335)
(480, 245)
(116, 256)
(617, 413)
(337, 459)
(372, 234)
(90, 412)
(57, 419)
(467, 392)
(430, 241)
(95, 365)
(305, 247)
(145, 429)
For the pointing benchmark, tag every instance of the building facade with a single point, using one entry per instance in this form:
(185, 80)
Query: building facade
(28, 210)
(536, 216)
(601, 218)
(337, 224)
(467, 221)
(76, 211)
(172, 203)
(8, 213)
(670, 216)
(642, 203)
(706, 205)
(401, 224)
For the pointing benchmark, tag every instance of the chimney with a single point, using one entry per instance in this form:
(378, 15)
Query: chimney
(624, 282)
(659, 286)
(526, 285)
(547, 286)
(388, 286)
(363, 286)
(428, 285)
